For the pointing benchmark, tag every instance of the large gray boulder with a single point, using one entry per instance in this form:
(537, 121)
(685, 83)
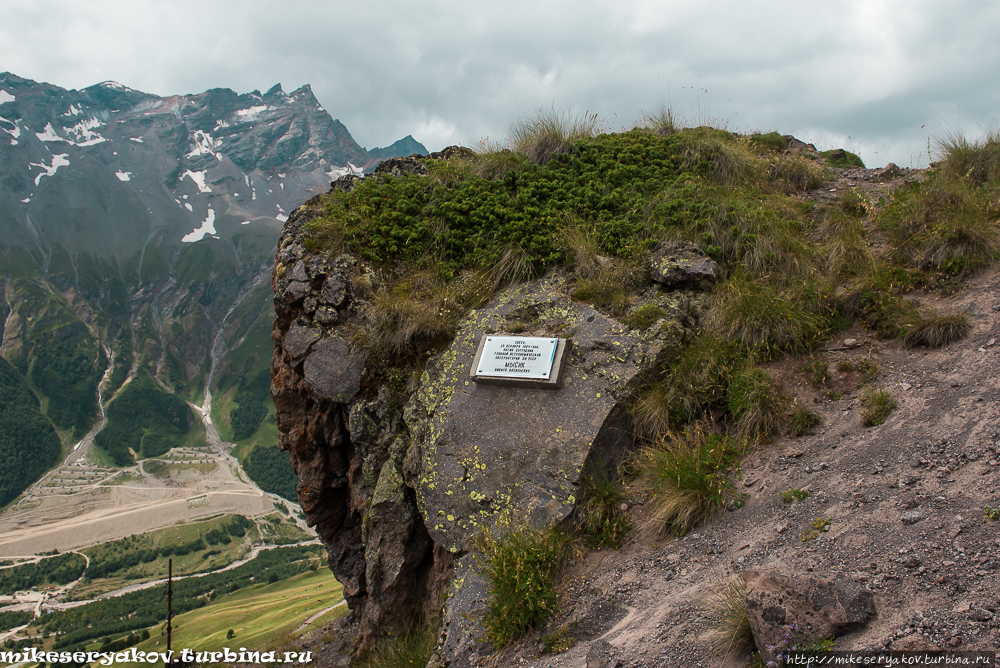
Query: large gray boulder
(480, 454)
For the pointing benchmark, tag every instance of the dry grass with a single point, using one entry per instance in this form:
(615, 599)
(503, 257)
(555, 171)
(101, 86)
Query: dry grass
(726, 610)
(686, 473)
(936, 330)
(550, 133)
(975, 161)
(762, 318)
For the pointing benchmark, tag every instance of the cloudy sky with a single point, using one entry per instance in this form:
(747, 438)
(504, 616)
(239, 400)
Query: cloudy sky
(879, 78)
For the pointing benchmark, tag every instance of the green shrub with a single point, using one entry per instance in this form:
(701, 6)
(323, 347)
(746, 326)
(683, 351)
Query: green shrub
(936, 330)
(803, 421)
(521, 565)
(876, 406)
(687, 475)
(990, 514)
(603, 522)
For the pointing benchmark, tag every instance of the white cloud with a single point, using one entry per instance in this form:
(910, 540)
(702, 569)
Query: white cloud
(447, 72)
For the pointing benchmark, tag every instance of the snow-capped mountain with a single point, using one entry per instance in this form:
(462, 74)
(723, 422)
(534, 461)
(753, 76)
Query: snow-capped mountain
(109, 169)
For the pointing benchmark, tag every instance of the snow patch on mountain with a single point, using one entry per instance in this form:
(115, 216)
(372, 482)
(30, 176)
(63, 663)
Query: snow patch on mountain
(137, 140)
(15, 133)
(124, 176)
(83, 133)
(49, 134)
(204, 144)
(73, 111)
(335, 173)
(251, 113)
(59, 160)
(207, 228)
(199, 180)
(5, 97)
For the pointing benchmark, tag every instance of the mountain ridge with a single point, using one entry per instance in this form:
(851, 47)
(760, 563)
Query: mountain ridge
(131, 225)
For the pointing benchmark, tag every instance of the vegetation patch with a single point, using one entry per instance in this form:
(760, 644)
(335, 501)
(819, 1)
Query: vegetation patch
(58, 570)
(600, 514)
(521, 565)
(936, 330)
(726, 610)
(412, 647)
(29, 445)
(816, 527)
(687, 473)
(876, 406)
(144, 419)
(803, 421)
(794, 494)
(842, 158)
(644, 317)
(271, 470)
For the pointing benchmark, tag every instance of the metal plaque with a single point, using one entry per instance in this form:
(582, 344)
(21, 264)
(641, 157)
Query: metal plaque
(528, 357)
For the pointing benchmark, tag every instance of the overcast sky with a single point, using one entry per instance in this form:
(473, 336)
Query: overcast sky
(878, 78)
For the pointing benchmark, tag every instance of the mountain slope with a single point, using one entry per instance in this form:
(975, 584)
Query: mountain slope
(131, 225)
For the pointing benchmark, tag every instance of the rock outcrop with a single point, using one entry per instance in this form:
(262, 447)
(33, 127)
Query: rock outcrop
(399, 480)
(788, 608)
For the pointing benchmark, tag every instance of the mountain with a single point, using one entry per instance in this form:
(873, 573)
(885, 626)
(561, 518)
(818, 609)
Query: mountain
(132, 226)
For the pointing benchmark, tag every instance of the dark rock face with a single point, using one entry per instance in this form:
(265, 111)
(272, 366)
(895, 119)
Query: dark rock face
(808, 606)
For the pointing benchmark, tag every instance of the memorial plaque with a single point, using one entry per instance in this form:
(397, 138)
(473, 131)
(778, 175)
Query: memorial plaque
(519, 361)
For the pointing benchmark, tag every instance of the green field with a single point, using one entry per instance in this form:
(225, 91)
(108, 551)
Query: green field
(262, 616)
(132, 553)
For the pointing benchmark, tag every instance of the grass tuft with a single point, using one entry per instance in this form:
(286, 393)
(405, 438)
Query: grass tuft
(726, 610)
(408, 649)
(756, 404)
(694, 381)
(936, 330)
(550, 133)
(602, 520)
(876, 406)
(946, 225)
(803, 421)
(975, 161)
(521, 565)
(687, 474)
(763, 319)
